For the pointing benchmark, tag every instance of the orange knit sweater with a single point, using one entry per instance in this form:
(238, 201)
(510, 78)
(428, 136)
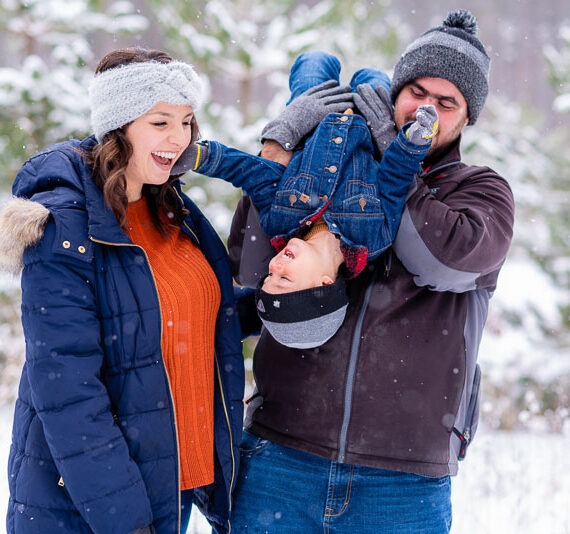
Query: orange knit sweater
(189, 297)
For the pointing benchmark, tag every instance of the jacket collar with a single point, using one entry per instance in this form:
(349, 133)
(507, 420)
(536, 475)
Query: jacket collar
(432, 168)
(102, 223)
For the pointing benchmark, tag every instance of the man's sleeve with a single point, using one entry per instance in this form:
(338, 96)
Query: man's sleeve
(459, 242)
(249, 246)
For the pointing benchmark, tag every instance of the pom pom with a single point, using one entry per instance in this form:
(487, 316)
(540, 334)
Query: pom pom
(463, 20)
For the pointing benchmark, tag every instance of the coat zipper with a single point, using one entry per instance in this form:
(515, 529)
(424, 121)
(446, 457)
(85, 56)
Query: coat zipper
(465, 436)
(222, 395)
(163, 366)
(232, 480)
(354, 353)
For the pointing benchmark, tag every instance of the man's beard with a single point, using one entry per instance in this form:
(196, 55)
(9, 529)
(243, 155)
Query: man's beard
(436, 153)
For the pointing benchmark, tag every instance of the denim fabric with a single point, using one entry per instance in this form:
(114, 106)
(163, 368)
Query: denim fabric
(313, 68)
(335, 175)
(281, 490)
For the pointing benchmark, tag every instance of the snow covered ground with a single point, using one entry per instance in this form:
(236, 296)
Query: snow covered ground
(510, 483)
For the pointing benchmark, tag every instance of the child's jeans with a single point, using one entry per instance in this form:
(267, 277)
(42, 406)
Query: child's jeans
(313, 68)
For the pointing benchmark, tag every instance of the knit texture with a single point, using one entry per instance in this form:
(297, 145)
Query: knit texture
(119, 96)
(303, 319)
(189, 299)
(453, 52)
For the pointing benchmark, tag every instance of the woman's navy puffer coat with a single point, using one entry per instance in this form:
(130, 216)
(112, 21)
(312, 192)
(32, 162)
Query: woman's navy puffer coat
(94, 442)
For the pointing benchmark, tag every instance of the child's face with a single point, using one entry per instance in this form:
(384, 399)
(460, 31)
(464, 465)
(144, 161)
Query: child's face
(300, 265)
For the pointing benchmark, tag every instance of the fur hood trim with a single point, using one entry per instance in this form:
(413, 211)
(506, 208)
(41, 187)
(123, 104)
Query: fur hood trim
(22, 224)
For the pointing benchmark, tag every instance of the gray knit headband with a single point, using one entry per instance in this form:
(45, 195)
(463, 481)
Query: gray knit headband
(119, 96)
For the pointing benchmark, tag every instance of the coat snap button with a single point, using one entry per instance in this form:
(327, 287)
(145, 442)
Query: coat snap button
(66, 244)
(332, 168)
(337, 140)
(81, 249)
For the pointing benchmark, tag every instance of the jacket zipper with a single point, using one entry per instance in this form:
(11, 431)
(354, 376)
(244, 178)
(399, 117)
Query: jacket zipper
(232, 480)
(354, 353)
(222, 395)
(163, 366)
(465, 436)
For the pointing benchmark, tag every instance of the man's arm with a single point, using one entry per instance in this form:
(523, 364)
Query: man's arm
(458, 241)
(273, 151)
(249, 246)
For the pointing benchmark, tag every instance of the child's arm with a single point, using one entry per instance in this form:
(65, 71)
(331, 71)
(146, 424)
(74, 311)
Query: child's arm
(401, 163)
(259, 177)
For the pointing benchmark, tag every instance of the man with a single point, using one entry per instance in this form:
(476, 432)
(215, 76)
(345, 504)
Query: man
(362, 434)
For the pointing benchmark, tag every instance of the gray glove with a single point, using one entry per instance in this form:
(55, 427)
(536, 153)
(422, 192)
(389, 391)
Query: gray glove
(376, 107)
(304, 113)
(425, 127)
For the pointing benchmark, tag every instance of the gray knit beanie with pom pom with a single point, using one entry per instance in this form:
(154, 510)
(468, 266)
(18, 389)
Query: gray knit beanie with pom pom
(451, 51)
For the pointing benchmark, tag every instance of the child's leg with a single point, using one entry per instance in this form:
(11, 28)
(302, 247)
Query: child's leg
(376, 78)
(310, 69)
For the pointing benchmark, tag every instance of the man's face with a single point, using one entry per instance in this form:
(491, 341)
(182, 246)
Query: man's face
(449, 103)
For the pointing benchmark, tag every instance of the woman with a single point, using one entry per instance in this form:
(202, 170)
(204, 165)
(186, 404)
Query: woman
(130, 401)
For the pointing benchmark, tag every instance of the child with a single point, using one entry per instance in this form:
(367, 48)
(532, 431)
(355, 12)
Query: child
(333, 207)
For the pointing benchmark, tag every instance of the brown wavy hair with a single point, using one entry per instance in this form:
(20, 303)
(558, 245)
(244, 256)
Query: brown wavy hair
(110, 157)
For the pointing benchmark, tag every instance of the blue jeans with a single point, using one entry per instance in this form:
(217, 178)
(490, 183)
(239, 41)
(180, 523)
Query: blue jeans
(282, 490)
(313, 68)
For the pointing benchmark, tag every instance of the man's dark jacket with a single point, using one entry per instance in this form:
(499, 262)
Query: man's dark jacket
(397, 387)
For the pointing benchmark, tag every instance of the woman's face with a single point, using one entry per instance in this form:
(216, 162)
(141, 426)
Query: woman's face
(158, 139)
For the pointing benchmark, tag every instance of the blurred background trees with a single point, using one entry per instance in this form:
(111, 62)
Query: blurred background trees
(243, 49)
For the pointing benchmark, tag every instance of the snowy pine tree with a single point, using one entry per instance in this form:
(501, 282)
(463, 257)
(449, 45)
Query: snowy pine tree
(48, 56)
(244, 49)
